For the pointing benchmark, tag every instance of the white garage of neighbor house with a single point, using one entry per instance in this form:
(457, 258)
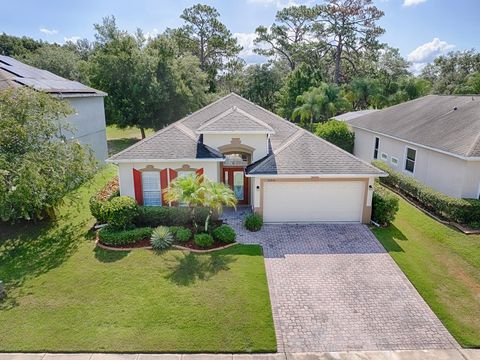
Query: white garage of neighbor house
(435, 139)
(278, 169)
(89, 117)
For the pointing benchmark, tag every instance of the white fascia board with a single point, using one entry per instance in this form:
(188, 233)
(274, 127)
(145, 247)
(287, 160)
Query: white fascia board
(326, 176)
(466, 158)
(127, 161)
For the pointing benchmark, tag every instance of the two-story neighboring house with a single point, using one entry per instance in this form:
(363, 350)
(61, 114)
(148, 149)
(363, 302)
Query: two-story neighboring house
(435, 139)
(279, 169)
(89, 118)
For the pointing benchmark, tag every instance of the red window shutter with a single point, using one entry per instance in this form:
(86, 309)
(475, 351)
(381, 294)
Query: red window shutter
(173, 174)
(199, 171)
(163, 184)
(137, 185)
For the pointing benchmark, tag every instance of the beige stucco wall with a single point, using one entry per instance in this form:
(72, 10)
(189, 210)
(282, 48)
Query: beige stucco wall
(445, 173)
(257, 141)
(89, 124)
(125, 173)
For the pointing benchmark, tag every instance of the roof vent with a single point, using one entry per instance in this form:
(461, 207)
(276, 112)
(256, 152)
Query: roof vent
(455, 108)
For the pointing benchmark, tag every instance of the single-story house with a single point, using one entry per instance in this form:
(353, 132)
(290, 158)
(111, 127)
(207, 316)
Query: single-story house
(89, 117)
(435, 139)
(280, 170)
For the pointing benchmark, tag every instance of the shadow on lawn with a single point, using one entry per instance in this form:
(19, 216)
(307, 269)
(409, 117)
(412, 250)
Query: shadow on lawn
(29, 250)
(187, 268)
(109, 256)
(390, 237)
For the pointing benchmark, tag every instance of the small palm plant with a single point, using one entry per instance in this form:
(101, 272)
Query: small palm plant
(161, 238)
(188, 190)
(217, 195)
(195, 191)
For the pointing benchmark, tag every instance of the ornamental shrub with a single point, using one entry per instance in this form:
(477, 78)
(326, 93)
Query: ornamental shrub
(384, 206)
(203, 240)
(225, 234)
(161, 238)
(116, 237)
(183, 234)
(338, 133)
(120, 211)
(462, 211)
(253, 222)
(169, 216)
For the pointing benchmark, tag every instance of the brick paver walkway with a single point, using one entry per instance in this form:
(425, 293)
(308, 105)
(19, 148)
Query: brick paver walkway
(334, 288)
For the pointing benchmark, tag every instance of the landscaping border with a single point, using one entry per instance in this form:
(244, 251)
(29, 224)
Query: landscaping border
(178, 247)
(453, 225)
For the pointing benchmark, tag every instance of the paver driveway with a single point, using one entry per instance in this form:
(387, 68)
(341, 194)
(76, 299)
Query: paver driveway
(334, 288)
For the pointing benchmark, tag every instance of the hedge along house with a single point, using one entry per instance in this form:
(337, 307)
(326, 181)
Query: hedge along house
(280, 170)
(89, 117)
(435, 139)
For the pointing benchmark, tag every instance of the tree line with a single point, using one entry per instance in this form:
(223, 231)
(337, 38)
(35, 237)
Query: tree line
(321, 60)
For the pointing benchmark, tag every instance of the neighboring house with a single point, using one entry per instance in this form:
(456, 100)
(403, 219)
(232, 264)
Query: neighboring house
(435, 138)
(353, 114)
(283, 172)
(89, 119)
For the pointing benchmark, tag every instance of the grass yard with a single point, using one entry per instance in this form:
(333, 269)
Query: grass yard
(66, 295)
(443, 264)
(119, 139)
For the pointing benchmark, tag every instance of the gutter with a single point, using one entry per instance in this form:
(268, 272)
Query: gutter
(129, 161)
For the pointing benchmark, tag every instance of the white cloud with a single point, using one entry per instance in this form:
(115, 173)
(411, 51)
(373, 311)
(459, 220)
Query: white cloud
(73, 39)
(429, 51)
(412, 2)
(280, 4)
(246, 41)
(426, 53)
(152, 34)
(48, 31)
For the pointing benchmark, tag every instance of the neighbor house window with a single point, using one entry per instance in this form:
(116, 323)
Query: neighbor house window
(384, 156)
(375, 148)
(410, 160)
(394, 161)
(152, 194)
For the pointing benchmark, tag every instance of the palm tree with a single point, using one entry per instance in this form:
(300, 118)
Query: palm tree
(217, 195)
(321, 103)
(188, 190)
(195, 191)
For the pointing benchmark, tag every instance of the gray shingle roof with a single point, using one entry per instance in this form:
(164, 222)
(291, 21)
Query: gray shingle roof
(14, 73)
(305, 153)
(447, 123)
(293, 150)
(235, 120)
(353, 114)
(172, 142)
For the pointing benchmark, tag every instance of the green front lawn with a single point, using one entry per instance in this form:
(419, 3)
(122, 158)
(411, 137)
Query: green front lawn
(66, 295)
(443, 264)
(119, 139)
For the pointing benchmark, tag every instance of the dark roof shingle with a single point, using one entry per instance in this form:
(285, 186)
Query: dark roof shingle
(447, 123)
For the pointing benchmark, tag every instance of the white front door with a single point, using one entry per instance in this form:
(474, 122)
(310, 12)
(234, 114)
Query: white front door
(313, 201)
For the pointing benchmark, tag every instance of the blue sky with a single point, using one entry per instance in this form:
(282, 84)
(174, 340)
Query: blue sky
(421, 29)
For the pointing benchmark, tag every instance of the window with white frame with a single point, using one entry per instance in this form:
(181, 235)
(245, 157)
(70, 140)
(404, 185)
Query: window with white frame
(152, 193)
(375, 147)
(185, 173)
(394, 161)
(384, 156)
(410, 159)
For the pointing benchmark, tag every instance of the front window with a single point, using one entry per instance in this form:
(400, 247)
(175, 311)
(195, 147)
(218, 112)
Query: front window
(375, 148)
(236, 159)
(410, 160)
(384, 156)
(152, 194)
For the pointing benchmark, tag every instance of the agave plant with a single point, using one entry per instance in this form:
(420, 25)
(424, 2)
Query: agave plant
(161, 238)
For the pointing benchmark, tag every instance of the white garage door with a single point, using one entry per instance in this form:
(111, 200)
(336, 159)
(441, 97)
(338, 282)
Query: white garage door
(319, 201)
